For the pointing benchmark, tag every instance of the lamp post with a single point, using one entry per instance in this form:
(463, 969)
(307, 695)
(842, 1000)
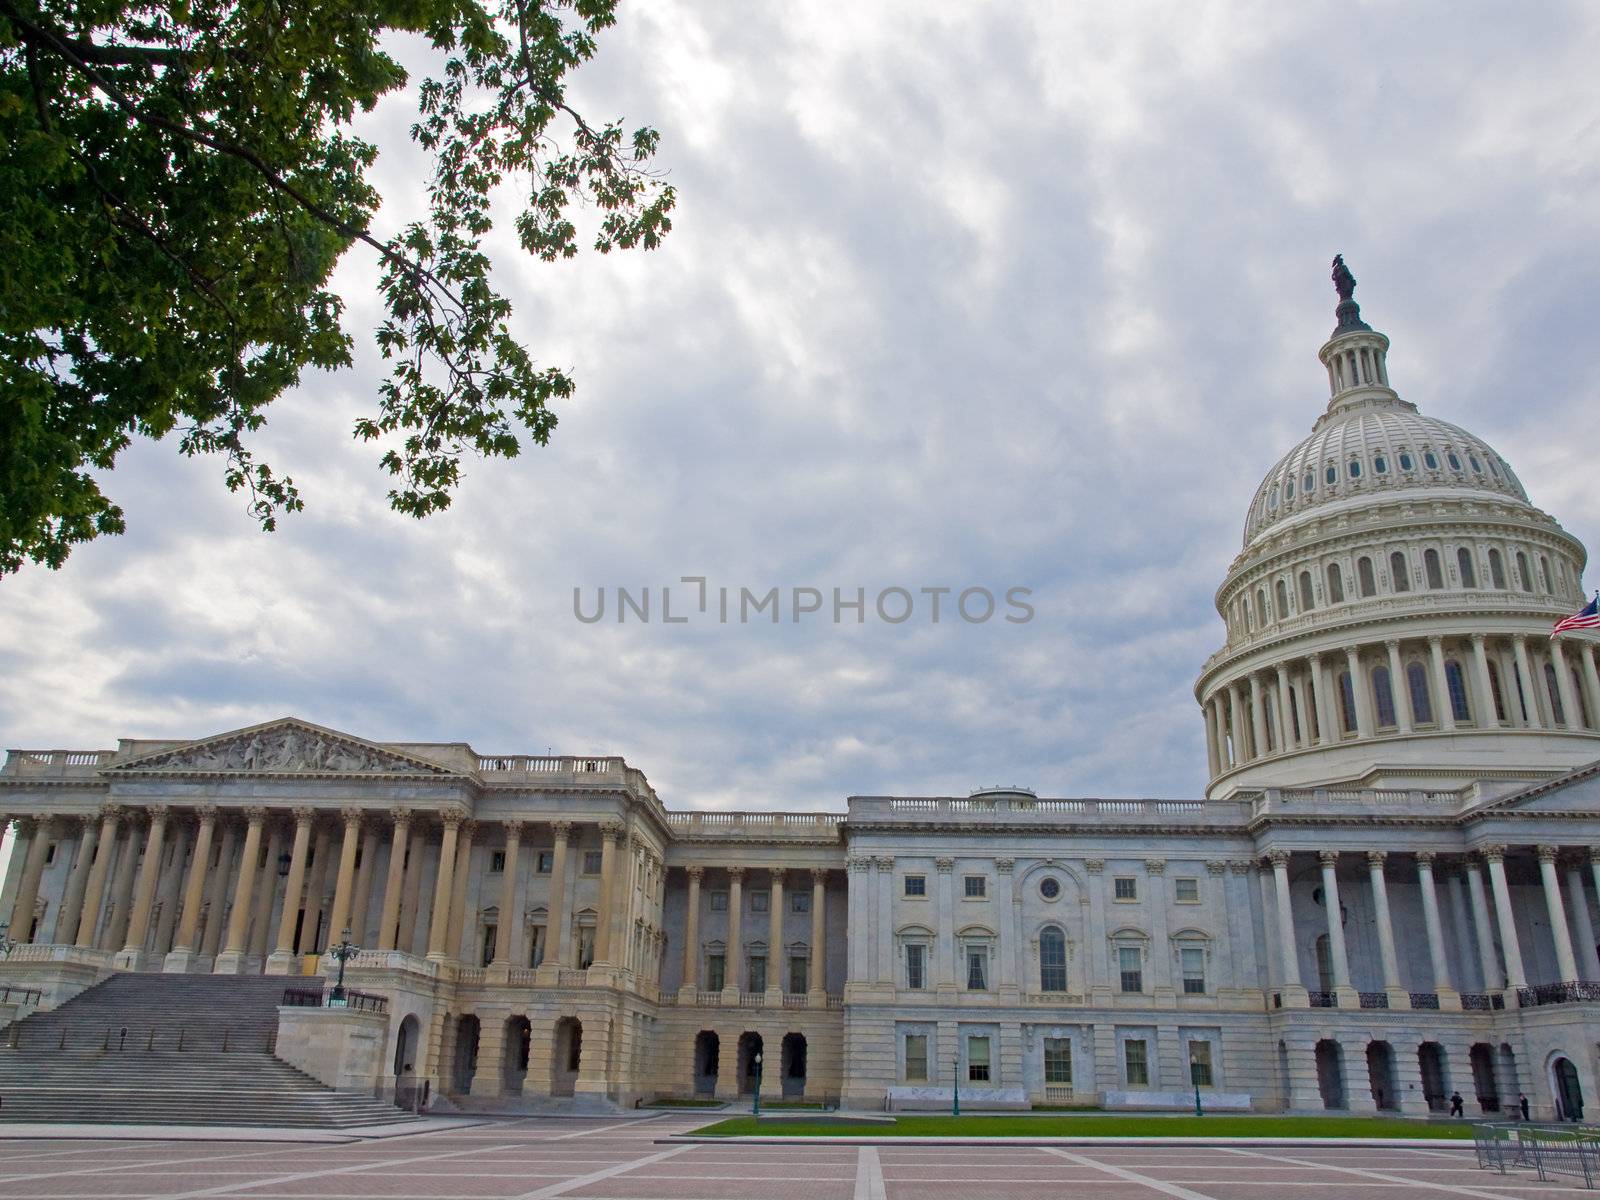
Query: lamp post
(1194, 1078)
(955, 1087)
(342, 953)
(758, 1083)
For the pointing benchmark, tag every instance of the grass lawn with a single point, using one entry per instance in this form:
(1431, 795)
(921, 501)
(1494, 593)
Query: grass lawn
(1106, 1126)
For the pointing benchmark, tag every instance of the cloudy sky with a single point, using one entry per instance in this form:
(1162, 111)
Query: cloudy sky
(983, 295)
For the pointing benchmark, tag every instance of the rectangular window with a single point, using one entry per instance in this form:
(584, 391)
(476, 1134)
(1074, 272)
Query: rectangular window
(544, 862)
(799, 973)
(1193, 961)
(1188, 891)
(759, 901)
(497, 862)
(758, 972)
(1199, 1064)
(1124, 887)
(536, 947)
(591, 862)
(1134, 1063)
(1058, 1060)
(977, 968)
(800, 901)
(916, 1058)
(490, 932)
(49, 854)
(719, 901)
(978, 1059)
(916, 967)
(975, 887)
(715, 968)
(1130, 963)
(585, 947)
(916, 885)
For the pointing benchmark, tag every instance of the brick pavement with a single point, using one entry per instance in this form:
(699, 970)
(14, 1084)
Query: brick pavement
(548, 1159)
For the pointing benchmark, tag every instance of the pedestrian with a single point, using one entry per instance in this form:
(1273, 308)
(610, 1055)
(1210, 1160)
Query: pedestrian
(1455, 1105)
(1522, 1103)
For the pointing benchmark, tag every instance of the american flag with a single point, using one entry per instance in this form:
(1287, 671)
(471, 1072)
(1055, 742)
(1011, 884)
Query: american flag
(1588, 617)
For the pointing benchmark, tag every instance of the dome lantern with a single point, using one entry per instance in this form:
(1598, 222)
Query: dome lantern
(1355, 355)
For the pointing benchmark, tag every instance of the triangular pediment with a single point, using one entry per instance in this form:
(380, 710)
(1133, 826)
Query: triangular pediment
(1576, 792)
(285, 746)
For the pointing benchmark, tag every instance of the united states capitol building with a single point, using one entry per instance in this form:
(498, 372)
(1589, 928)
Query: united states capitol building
(1386, 894)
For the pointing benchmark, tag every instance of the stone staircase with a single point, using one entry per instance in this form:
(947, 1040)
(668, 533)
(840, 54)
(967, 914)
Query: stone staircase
(170, 1049)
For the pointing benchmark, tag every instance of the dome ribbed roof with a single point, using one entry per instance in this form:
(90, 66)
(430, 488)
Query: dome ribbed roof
(1372, 450)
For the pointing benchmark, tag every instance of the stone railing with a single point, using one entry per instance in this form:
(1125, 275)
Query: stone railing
(54, 762)
(581, 770)
(796, 1000)
(1283, 800)
(49, 952)
(763, 825)
(572, 977)
(523, 976)
(1026, 810)
(708, 999)
(470, 975)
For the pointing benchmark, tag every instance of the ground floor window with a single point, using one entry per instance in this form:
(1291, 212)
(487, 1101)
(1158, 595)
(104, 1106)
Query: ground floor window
(1200, 1064)
(978, 1059)
(1135, 1063)
(916, 1058)
(1057, 1060)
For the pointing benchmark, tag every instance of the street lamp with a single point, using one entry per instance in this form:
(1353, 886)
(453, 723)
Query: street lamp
(1194, 1078)
(758, 1083)
(955, 1089)
(343, 953)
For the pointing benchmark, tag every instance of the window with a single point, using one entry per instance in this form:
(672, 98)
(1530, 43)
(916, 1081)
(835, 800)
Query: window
(758, 973)
(759, 901)
(719, 901)
(978, 1059)
(1261, 606)
(1432, 569)
(1305, 591)
(916, 1058)
(800, 901)
(1335, 584)
(585, 947)
(1456, 684)
(1430, 460)
(1544, 573)
(1469, 576)
(497, 862)
(1324, 964)
(1309, 483)
(1383, 693)
(975, 887)
(1288, 490)
(1192, 959)
(1283, 600)
(1477, 467)
(1421, 702)
(1455, 462)
(1058, 1060)
(1355, 468)
(486, 955)
(1497, 569)
(1399, 574)
(916, 885)
(536, 946)
(1130, 964)
(544, 862)
(591, 862)
(1124, 887)
(1380, 464)
(1199, 1064)
(977, 968)
(1365, 578)
(1524, 580)
(916, 967)
(1331, 474)
(49, 854)
(1135, 1065)
(1050, 887)
(1052, 960)
(1347, 702)
(1188, 891)
(716, 968)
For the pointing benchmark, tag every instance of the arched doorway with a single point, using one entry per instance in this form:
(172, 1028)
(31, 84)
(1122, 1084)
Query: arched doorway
(466, 1056)
(1568, 1091)
(1435, 1086)
(749, 1047)
(405, 1048)
(1481, 1056)
(567, 1056)
(794, 1065)
(707, 1049)
(518, 1032)
(1381, 1075)
(1330, 1073)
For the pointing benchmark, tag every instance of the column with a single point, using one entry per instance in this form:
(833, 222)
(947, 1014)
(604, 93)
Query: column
(1398, 996)
(1495, 857)
(1487, 719)
(1455, 886)
(1567, 964)
(1288, 958)
(1286, 738)
(311, 926)
(267, 897)
(411, 890)
(559, 932)
(775, 950)
(1008, 980)
(1443, 709)
(1530, 685)
(610, 834)
(38, 833)
(1336, 950)
(1494, 979)
(690, 982)
(168, 891)
(99, 869)
(1362, 691)
(1399, 687)
(461, 877)
(344, 885)
(1516, 717)
(1448, 997)
(281, 961)
(71, 909)
(217, 902)
(1213, 762)
(1327, 727)
(444, 886)
(1591, 681)
(1569, 701)
(231, 960)
(132, 955)
(819, 938)
(1258, 717)
(1588, 962)
(1241, 747)
(183, 951)
(389, 922)
(365, 873)
(733, 978)
(122, 895)
(508, 933)
(883, 921)
(946, 953)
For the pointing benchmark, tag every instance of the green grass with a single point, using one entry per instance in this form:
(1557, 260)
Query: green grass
(1099, 1126)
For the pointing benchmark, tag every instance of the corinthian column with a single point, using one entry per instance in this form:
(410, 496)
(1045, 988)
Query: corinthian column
(458, 896)
(344, 886)
(1386, 951)
(1495, 856)
(389, 923)
(182, 957)
(1566, 963)
(439, 923)
(733, 980)
(1336, 950)
(94, 892)
(505, 936)
(1449, 998)
(38, 834)
(558, 934)
(1288, 956)
(691, 933)
(281, 960)
(231, 960)
(819, 937)
(775, 953)
(609, 836)
(132, 955)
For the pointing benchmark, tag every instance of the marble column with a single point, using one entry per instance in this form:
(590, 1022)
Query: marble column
(1530, 685)
(508, 935)
(1258, 718)
(38, 833)
(1286, 738)
(127, 872)
(691, 933)
(266, 901)
(1335, 913)
(1288, 956)
(559, 933)
(1567, 964)
(1588, 961)
(819, 937)
(1399, 687)
(1506, 915)
(217, 901)
(1213, 762)
(361, 906)
(133, 953)
(1572, 714)
(1449, 998)
(1361, 685)
(461, 879)
(1494, 979)
(169, 889)
(1160, 942)
(389, 921)
(610, 834)
(99, 871)
(775, 950)
(444, 887)
(313, 931)
(411, 889)
(231, 960)
(344, 885)
(1445, 709)
(1487, 716)
(1455, 886)
(1236, 726)
(1321, 697)
(1399, 997)
(946, 952)
(733, 978)
(183, 955)
(281, 961)
(1591, 681)
(71, 909)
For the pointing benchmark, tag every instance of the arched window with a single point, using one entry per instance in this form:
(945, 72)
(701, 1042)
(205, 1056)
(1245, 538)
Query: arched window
(1052, 960)
(1430, 566)
(1556, 707)
(1384, 694)
(1421, 702)
(1497, 570)
(1405, 460)
(1331, 474)
(1335, 585)
(1366, 578)
(1283, 601)
(1524, 580)
(1430, 460)
(1355, 468)
(1399, 576)
(1261, 606)
(1544, 574)
(1499, 691)
(1305, 591)
(1456, 683)
(1380, 465)
(1347, 701)
(1469, 576)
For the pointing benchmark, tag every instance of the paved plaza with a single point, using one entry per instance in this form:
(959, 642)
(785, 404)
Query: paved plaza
(543, 1158)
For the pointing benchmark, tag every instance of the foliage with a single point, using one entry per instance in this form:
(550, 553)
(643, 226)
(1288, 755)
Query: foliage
(177, 182)
(1134, 1125)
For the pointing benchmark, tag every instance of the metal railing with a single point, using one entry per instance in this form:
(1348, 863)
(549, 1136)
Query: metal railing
(1374, 999)
(1548, 1149)
(22, 997)
(317, 998)
(1481, 1001)
(1323, 999)
(1569, 992)
(127, 1039)
(1425, 1000)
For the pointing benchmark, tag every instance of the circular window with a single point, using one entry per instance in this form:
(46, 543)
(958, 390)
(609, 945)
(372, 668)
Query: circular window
(1050, 888)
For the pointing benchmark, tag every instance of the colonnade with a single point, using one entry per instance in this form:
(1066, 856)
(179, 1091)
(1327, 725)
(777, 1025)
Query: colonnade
(1480, 682)
(777, 908)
